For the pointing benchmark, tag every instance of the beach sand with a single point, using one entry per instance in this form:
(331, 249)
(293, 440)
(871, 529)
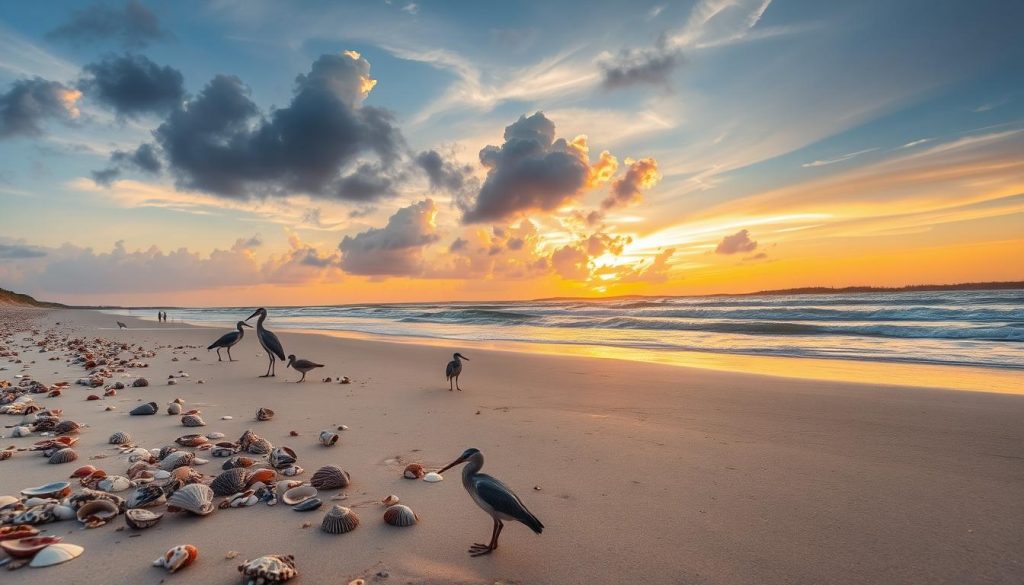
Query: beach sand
(641, 473)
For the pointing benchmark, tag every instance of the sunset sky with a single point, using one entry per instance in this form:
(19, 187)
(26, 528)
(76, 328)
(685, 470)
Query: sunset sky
(243, 152)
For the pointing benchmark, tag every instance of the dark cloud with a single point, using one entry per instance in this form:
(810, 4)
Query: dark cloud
(144, 158)
(642, 174)
(29, 102)
(20, 252)
(515, 243)
(458, 244)
(367, 183)
(736, 243)
(649, 66)
(133, 26)
(531, 171)
(395, 249)
(132, 85)
(444, 175)
(218, 143)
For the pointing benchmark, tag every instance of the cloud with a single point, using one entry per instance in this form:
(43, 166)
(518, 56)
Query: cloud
(134, 26)
(20, 251)
(846, 157)
(144, 158)
(531, 171)
(220, 143)
(642, 174)
(736, 243)
(395, 249)
(570, 263)
(30, 102)
(133, 85)
(443, 175)
(647, 66)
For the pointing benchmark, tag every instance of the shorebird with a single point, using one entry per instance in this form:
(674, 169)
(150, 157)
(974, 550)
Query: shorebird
(228, 340)
(121, 325)
(271, 344)
(454, 369)
(493, 497)
(303, 366)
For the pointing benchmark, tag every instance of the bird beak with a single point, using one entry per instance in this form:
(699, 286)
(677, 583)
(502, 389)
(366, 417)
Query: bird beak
(253, 315)
(244, 324)
(464, 357)
(452, 464)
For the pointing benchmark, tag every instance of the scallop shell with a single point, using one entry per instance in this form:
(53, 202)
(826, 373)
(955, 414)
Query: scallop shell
(282, 457)
(229, 482)
(260, 446)
(114, 483)
(328, 439)
(264, 414)
(191, 440)
(268, 570)
(177, 558)
(196, 498)
(56, 554)
(247, 438)
(400, 515)
(433, 477)
(65, 455)
(174, 408)
(67, 427)
(139, 519)
(120, 438)
(339, 520)
(413, 471)
(97, 512)
(239, 461)
(390, 500)
(330, 477)
(144, 409)
(145, 496)
(192, 420)
(176, 459)
(298, 494)
(166, 450)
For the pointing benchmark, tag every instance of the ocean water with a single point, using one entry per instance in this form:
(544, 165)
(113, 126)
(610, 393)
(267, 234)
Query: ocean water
(976, 328)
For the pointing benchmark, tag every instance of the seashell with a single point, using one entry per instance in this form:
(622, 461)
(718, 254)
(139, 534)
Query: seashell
(196, 498)
(177, 459)
(120, 438)
(330, 477)
(214, 436)
(63, 512)
(186, 475)
(241, 500)
(390, 500)
(165, 451)
(144, 409)
(141, 383)
(65, 455)
(339, 520)
(268, 570)
(97, 513)
(25, 547)
(308, 505)
(56, 554)
(298, 494)
(177, 558)
(433, 477)
(136, 468)
(21, 432)
(291, 471)
(284, 485)
(78, 500)
(114, 483)
(7, 501)
(55, 490)
(400, 515)
(217, 451)
(174, 408)
(139, 519)
(191, 440)
(262, 475)
(264, 414)
(192, 420)
(282, 457)
(413, 471)
(239, 461)
(145, 496)
(328, 439)
(39, 514)
(67, 427)
(16, 532)
(230, 482)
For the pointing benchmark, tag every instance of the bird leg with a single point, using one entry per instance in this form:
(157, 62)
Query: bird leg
(230, 359)
(267, 375)
(302, 378)
(479, 549)
(450, 387)
(457, 384)
(218, 355)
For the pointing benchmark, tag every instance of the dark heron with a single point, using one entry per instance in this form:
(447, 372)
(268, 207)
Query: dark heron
(454, 369)
(228, 340)
(271, 344)
(493, 497)
(121, 325)
(303, 366)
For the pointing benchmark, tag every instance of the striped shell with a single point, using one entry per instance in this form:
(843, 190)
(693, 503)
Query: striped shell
(120, 438)
(264, 414)
(339, 520)
(65, 455)
(191, 440)
(330, 477)
(196, 498)
(328, 439)
(247, 438)
(229, 482)
(67, 427)
(138, 518)
(238, 461)
(260, 446)
(97, 511)
(413, 471)
(144, 409)
(178, 557)
(400, 515)
(282, 457)
(145, 496)
(268, 570)
(192, 420)
(176, 459)
(114, 483)
(174, 408)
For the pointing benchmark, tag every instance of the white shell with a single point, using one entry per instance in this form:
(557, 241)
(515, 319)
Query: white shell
(56, 554)
(433, 477)
(114, 483)
(196, 498)
(298, 494)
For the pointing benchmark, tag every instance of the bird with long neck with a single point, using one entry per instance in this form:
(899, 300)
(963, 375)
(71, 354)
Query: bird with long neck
(229, 340)
(454, 370)
(270, 343)
(493, 497)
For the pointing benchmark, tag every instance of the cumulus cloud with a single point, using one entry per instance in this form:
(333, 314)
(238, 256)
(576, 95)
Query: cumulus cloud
(647, 66)
(144, 158)
(443, 175)
(642, 174)
(571, 263)
(30, 102)
(134, 26)
(221, 144)
(736, 243)
(20, 251)
(395, 249)
(133, 85)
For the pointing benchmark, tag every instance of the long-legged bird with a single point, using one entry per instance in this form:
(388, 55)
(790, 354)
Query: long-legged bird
(301, 365)
(121, 325)
(493, 497)
(270, 343)
(229, 340)
(454, 370)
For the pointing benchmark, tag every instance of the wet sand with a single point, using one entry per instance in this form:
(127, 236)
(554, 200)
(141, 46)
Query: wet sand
(641, 473)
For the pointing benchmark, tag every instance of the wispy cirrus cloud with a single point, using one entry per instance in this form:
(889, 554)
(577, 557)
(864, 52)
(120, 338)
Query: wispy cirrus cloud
(838, 159)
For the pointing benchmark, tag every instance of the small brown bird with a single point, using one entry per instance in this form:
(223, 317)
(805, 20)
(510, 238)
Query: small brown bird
(303, 366)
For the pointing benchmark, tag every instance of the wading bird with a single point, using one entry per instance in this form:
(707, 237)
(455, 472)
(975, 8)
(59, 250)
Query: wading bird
(454, 369)
(302, 366)
(121, 325)
(271, 344)
(228, 340)
(493, 497)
